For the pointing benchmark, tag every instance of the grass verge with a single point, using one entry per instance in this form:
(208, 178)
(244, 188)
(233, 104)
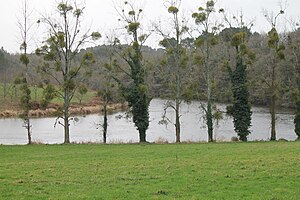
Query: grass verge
(266, 170)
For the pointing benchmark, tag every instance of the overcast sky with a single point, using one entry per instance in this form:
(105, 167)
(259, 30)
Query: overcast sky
(102, 17)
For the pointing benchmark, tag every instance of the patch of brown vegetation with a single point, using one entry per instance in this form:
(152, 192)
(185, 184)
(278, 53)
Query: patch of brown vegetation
(8, 113)
(93, 107)
(161, 140)
(234, 139)
(42, 113)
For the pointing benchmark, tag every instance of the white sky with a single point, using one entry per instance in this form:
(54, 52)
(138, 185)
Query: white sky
(102, 17)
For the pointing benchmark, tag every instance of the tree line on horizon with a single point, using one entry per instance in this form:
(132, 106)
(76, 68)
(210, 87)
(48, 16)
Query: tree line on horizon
(210, 62)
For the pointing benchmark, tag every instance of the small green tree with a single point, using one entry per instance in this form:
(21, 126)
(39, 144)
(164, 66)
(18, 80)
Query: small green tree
(136, 92)
(3, 63)
(105, 94)
(108, 89)
(59, 52)
(294, 47)
(82, 91)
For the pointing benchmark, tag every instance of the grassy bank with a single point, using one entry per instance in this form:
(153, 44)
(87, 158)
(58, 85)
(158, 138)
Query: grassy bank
(10, 103)
(188, 171)
(12, 94)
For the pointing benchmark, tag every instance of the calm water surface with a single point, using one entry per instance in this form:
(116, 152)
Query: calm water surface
(122, 130)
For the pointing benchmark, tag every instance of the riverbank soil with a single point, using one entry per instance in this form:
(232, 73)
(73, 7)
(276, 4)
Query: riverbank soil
(10, 108)
(263, 170)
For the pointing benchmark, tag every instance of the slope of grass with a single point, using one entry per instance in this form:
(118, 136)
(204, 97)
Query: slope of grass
(185, 171)
(11, 99)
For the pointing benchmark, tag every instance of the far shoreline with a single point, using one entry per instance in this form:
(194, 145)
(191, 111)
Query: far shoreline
(51, 110)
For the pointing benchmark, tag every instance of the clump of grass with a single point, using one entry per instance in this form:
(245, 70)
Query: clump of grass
(161, 140)
(38, 142)
(88, 143)
(116, 141)
(161, 192)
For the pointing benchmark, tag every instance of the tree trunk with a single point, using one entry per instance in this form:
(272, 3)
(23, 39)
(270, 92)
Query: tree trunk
(35, 92)
(273, 118)
(177, 123)
(273, 104)
(28, 127)
(67, 130)
(244, 138)
(209, 121)
(66, 117)
(142, 134)
(105, 124)
(5, 88)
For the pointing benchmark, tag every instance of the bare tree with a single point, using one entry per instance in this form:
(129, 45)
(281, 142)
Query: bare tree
(108, 88)
(174, 66)
(25, 101)
(59, 51)
(277, 53)
(207, 38)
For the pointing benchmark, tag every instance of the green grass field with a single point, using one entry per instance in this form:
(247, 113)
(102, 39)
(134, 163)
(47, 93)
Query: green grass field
(266, 170)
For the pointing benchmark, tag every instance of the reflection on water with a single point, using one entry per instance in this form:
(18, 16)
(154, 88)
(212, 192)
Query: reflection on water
(122, 130)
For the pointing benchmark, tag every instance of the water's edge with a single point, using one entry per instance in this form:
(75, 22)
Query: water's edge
(87, 129)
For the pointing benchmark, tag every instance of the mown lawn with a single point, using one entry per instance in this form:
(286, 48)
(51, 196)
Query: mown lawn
(266, 170)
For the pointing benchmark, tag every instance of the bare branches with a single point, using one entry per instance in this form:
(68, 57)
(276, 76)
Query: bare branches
(25, 26)
(237, 20)
(165, 119)
(59, 51)
(271, 17)
(129, 14)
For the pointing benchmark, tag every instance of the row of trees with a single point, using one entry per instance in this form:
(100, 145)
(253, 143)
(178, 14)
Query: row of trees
(189, 69)
(200, 50)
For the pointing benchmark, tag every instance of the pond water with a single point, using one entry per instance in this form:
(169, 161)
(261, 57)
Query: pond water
(122, 130)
